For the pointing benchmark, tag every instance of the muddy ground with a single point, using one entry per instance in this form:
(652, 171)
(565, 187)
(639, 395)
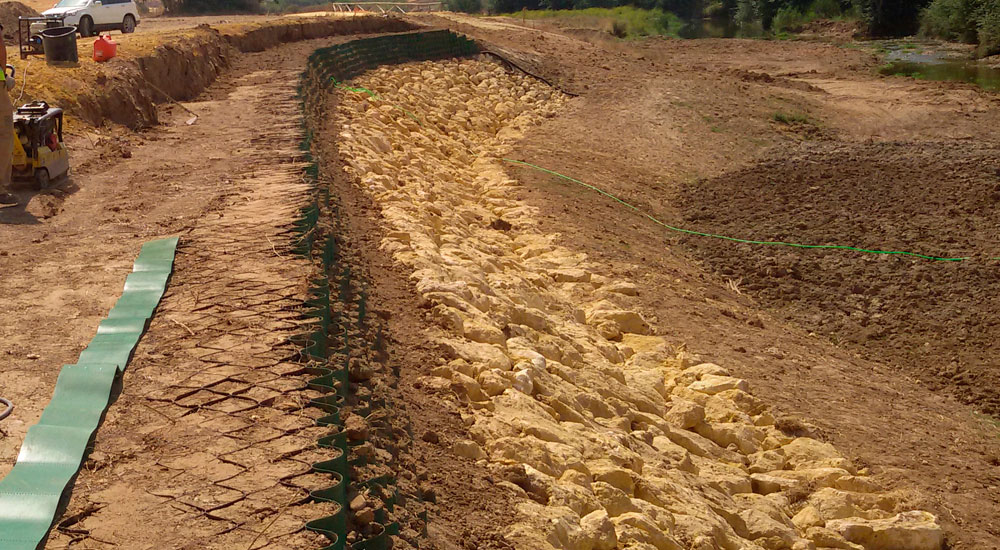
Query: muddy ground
(684, 130)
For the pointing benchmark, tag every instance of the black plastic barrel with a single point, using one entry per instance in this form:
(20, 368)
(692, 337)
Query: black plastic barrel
(60, 45)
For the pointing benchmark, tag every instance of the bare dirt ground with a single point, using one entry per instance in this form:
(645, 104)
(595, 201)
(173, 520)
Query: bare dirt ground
(672, 126)
(674, 115)
(936, 320)
(209, 440)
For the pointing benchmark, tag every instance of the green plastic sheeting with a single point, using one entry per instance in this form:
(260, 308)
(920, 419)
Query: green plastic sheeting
(54, 449)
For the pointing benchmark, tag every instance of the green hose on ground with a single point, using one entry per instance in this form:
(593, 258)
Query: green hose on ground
(735, 239)
(374, 95)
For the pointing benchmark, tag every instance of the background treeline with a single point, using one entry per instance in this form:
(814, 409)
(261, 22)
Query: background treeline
(973, 21)
(884, 17)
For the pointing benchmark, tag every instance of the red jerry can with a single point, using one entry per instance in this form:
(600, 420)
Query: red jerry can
(104, 48)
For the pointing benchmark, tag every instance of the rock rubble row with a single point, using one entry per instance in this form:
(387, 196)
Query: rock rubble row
(609, 437)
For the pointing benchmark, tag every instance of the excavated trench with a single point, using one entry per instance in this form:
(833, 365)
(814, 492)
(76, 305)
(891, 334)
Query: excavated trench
(600, 433)
(128, 92)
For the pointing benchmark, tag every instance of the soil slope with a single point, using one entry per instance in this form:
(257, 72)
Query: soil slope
(672, 113)
(935, 319)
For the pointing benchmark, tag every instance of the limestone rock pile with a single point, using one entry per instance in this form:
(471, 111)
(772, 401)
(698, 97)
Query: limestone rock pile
(610, 438)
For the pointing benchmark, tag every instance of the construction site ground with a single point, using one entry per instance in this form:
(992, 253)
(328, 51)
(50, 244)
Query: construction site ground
(890, 360)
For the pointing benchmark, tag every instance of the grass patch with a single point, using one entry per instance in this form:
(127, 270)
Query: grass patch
(623, 21)
(790, 118)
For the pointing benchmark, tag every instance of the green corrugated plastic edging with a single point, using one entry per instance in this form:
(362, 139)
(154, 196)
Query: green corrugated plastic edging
(54, 449)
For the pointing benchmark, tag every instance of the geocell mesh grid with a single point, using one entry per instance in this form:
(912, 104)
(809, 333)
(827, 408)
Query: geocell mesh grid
(54, 449)
(328, 337)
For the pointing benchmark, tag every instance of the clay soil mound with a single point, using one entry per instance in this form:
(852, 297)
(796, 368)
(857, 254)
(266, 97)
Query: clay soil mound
(937, 320)
(9, 12)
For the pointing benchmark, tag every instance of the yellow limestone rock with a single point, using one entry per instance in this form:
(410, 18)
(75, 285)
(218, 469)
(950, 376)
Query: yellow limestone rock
(713, 384)
(613, 499)
(805, 452)
(616, 477)
(493, 382)
(611, 321)
(590, 435)
(764, 484)
(766, 461)
(579, 499)
(761, 525)
(633, 526)
(817, 477)
(742, 436)
(621, 287)
(833, 504)
(915, 530)
(827, 538)
(808, 517)
(467, 386)
(685, 414)
(599, 529)
(468, 449)
(692, 372)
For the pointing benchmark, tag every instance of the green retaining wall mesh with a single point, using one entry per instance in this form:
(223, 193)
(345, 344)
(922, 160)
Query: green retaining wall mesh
(54, 449)
(326, 346)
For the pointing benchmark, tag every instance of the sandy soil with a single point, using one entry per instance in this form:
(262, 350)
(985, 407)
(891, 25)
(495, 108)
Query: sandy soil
(667, 125)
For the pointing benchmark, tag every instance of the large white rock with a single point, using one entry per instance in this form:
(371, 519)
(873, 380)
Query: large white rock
(713, 384)
(915, 530)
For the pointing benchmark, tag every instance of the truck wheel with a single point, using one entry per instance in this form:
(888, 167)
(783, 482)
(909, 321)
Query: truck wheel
(86, 26)
(41, 179)
(128, 25)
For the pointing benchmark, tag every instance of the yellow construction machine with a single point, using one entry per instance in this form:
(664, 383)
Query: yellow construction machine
(40, 155)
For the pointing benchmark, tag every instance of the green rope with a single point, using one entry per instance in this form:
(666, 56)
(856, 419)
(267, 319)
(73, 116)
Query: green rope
(734, 239)
(361, 90)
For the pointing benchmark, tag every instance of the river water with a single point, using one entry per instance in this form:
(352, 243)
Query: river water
(929, 61)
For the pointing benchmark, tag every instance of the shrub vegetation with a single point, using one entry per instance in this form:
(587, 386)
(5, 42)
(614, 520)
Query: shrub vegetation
(972, 21)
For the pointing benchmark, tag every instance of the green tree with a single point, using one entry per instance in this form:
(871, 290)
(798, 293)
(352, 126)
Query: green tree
(466, 6)
(891, 17)
(988, 19)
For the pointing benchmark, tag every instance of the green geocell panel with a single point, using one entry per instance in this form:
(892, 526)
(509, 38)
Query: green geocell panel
(54, 448)
(341, 63)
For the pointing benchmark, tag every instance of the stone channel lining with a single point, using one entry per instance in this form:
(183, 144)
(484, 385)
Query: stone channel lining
(610, 437)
